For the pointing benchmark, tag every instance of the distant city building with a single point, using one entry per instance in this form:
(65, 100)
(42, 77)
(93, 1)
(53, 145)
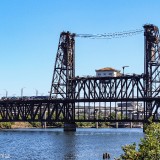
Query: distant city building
(134, 109)
(107, 72)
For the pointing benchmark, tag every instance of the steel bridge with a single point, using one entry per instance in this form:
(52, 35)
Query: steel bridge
(133, 98)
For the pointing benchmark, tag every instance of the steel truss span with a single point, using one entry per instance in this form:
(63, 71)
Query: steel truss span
(93, 110)
(72, 99)
(112, 88)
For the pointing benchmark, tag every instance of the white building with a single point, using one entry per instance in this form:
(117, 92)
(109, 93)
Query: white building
(107, 72)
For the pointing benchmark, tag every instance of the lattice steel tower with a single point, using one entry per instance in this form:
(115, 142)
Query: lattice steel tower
(64, 69)
(64, 72)
(151, 66)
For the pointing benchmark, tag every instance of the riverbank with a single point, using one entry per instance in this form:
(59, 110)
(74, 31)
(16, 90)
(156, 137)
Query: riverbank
(21, 125)
(14, 125)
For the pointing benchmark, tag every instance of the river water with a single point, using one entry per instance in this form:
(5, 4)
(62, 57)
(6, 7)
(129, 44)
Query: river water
(55, 144)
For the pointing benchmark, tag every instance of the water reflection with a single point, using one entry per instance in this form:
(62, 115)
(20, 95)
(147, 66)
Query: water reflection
(46, 144)
(69, 146)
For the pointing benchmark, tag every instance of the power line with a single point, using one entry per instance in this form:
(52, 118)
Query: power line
(111, 35)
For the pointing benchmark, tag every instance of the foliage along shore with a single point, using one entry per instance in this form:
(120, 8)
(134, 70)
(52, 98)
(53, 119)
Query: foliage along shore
(147, 149)
(13, 125)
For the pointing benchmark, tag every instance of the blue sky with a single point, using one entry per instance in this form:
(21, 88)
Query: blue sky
(30, 29)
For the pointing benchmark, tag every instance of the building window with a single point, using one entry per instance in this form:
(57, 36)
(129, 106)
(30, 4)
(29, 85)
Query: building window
(110, 74)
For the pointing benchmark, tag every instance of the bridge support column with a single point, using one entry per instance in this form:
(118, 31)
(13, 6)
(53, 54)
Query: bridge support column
(131, 124)
(116, 124)
(70, 126)
(44, 125)
(96, 111)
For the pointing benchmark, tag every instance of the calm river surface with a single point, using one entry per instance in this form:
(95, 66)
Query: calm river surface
(54, 144)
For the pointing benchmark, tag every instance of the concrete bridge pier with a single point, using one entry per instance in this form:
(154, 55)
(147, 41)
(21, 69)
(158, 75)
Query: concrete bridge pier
(70, 126)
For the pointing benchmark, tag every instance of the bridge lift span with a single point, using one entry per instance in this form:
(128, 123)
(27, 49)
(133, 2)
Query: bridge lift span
(108, 95)
(133, 98)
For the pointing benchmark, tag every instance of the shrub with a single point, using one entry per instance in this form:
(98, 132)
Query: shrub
(149, 147)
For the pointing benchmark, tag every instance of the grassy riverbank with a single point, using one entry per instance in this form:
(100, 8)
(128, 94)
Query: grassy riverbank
(13, 125)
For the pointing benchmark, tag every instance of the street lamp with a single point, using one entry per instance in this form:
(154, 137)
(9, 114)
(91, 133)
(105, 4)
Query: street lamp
(22, 92)
(123, 67)
(36, 92)
(6, 93)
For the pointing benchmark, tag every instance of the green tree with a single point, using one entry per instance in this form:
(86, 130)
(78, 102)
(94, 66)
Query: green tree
(5, 125)
(149, 147)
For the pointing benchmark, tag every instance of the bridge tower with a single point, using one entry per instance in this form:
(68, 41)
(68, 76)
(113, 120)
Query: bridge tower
(64, 72)
(151, 68)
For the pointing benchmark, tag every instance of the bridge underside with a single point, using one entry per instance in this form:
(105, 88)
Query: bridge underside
(93, 110)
